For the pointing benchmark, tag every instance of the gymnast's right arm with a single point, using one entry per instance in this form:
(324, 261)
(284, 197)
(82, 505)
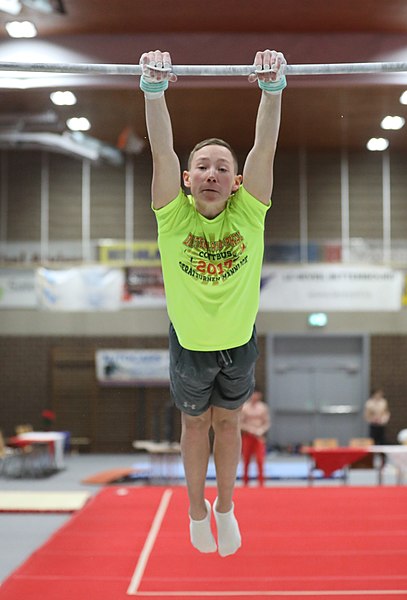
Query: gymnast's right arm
(166, 166)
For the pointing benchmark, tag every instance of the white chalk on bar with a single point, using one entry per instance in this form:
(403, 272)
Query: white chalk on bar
(205, 70)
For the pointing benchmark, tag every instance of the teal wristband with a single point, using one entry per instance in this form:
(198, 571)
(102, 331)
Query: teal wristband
(273, 86)
(153, 87)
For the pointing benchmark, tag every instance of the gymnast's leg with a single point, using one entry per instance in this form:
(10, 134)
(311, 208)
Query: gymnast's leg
(227, 450)
(195, 450)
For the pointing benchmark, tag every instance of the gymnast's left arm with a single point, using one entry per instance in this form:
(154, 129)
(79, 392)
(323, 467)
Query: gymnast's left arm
(258, 169)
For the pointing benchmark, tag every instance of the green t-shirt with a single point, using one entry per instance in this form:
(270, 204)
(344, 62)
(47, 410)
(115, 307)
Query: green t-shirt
(212, 269)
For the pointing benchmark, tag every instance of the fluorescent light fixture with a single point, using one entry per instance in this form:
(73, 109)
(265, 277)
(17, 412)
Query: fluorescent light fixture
(63, 98)
(377, 144)
(21, 29)
(105, 151)
(403, 98)
(74, 144)
(43, 6)
(51, 141)
(78, 124)
(392, 122)
(317, 319)
(24, 80)
(12, 7)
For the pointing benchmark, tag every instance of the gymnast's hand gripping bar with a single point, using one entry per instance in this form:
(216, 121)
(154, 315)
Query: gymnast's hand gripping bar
(206, 70)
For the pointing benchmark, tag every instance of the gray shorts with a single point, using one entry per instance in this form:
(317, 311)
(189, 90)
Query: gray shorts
(223, 378)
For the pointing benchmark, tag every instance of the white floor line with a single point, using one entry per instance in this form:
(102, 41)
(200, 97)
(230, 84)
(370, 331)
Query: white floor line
(298, 594)
(149, 543)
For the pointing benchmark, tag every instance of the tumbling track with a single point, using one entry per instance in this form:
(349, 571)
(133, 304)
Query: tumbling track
(323, 543)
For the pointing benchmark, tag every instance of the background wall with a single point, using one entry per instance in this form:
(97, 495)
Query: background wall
(58, 372)
(307, 204)
(47, 359)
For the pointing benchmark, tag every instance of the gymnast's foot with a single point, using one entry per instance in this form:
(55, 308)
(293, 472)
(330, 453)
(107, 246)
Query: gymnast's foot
(201, 533)
(229, 539)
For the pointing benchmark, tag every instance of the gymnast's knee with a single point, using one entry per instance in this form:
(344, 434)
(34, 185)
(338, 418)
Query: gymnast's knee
(226, 422)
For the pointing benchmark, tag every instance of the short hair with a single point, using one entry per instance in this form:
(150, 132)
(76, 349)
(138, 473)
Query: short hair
(214, 142)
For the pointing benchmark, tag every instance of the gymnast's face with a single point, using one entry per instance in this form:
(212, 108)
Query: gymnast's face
(211, 179)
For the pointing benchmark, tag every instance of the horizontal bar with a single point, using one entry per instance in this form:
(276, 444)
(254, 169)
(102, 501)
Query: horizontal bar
(205, 70)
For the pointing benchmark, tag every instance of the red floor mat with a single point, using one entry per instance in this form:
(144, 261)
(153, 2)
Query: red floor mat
(297, 542)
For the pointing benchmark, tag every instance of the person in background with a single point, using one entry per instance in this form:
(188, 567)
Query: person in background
(377, 415)
(255, 422)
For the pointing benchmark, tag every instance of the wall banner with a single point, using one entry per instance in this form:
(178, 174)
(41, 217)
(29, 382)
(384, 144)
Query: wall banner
(17, 288)
(139, 254)
(331, 288)
(144, 288)
(82, 288)
(132, 367)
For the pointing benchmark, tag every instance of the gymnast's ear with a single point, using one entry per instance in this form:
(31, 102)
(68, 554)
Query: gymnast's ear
(187, 179)
(237, 181)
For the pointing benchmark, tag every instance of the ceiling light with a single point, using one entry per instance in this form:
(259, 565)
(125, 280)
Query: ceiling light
(21, 29)
(63, 98)
(43, 6)
(403, 98)
(12, 7)
(377, 144)
(24, 80)
(51, 141)
(78, 124)
(392, 122)
(105, 151)
(76, 144)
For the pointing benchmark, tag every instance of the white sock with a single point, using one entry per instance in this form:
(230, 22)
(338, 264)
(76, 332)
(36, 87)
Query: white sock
(229, 539)
(201, 533)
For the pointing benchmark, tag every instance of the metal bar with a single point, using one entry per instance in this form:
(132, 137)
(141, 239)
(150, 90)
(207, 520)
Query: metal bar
(345, 221)
(4, 199)
(303, 197)
(44, 207)
(386, 207)
(206, 70)
(86, 248)
(129, 207)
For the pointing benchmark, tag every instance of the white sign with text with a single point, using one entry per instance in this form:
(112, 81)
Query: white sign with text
(331, 287)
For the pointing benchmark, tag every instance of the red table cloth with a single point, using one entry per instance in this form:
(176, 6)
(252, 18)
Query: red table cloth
(332, 459)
